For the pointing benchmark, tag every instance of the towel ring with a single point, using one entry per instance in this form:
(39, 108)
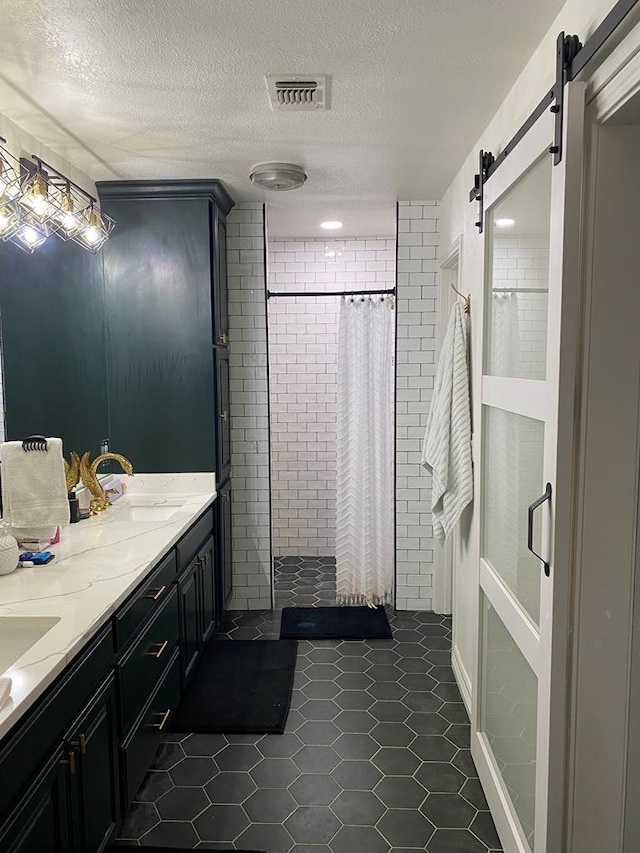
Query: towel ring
(34, 442)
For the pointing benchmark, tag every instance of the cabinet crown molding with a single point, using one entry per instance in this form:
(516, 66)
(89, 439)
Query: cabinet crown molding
(189, 188)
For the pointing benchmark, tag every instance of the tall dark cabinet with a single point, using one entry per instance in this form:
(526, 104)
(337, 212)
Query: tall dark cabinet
(167, 336)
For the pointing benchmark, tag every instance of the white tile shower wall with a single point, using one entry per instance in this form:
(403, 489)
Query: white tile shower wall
(303, 347)
(249, 408)
(417, 296)
(522, 262)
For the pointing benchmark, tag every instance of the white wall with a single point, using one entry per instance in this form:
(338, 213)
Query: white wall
(457, 220)
(417, 318)
(249, 408)
(303, 360)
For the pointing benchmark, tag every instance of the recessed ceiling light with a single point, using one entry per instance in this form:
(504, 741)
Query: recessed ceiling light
(331, 225)
(504, 223)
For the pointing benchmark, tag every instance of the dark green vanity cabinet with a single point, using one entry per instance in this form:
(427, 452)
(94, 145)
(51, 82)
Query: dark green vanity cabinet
(197, 600)
(72, 765)
(60, 776)
(165, 297)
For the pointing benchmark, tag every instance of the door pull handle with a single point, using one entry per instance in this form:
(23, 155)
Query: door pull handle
(534, 506)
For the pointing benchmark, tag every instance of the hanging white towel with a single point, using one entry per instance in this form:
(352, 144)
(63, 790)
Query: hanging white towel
(34, 491)
(446, 452)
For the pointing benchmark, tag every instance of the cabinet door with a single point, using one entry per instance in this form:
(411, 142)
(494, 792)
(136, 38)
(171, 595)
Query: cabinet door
(190, 631)
(208, 600)
(94, 739)
(223, 415)
(157, 270)
(221, 320)
(224, 567)
(42, 820)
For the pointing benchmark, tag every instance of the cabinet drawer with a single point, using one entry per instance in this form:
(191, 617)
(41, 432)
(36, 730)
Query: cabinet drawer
(24, 749)
(142, 666)
(138, 749)
(130, 617)
(190, 543)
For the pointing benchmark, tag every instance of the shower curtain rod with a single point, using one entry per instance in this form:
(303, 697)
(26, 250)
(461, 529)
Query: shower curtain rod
(390, 291)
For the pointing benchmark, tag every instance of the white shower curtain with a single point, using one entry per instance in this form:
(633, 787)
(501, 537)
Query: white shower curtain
(365, 495)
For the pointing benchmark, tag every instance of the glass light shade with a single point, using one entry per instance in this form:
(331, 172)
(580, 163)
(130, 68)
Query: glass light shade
(35, 198)
(95, 230)
(9, 219)
(29, 234)
(9, 180)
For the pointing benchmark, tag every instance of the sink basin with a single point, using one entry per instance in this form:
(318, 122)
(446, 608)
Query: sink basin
(152, 513)
(19, 633)
(151, 507)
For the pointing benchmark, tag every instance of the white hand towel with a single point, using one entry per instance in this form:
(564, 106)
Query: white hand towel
(5, 690)
(34, 489)
(446, 452)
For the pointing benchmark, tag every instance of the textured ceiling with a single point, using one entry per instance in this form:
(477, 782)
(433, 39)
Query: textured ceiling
(165, 89)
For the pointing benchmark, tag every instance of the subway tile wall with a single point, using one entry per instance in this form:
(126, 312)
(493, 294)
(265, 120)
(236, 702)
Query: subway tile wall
(417, 303)
(249, 408)
(303, 347)
(521, 263)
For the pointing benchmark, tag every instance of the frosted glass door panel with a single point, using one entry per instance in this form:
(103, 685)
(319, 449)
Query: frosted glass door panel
(519, 278)
(513, 459)
(510, 716)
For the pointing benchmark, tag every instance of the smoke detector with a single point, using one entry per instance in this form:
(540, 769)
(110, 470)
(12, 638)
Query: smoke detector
(278, 176)
(293, 92)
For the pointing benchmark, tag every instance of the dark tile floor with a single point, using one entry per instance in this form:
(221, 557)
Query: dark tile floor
(375, 757)
(305, 581)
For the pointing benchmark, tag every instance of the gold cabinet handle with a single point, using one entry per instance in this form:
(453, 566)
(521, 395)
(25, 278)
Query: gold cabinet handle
(82, 743)
(223, 338)
(161, 724)
(227, 496)
(224, 416)
(160, 650)
(155, 593)
(71, 761)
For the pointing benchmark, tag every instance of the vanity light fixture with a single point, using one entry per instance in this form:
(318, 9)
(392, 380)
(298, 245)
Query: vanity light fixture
(35, 198)
(30, 234)
(9, 175)
(504, 222)
(95, 229)
(67, 219)
(331, 225)
(9, 219)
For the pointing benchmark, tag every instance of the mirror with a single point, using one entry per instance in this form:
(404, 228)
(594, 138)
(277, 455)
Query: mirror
(53, 344)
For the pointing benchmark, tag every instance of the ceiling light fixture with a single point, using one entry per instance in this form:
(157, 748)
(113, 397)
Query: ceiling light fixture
(505, 222)
(331, 225)
(278, 176)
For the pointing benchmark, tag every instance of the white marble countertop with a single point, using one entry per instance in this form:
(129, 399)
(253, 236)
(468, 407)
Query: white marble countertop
(98, 563)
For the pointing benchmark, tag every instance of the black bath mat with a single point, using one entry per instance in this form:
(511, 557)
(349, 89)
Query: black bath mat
(335, 623)
(239, 687)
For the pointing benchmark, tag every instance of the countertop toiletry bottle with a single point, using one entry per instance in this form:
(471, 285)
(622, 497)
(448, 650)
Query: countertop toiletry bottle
(74, 507)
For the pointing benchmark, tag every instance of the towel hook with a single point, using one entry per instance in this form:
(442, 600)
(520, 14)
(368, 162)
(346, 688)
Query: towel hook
(466, 299)
(34, 442)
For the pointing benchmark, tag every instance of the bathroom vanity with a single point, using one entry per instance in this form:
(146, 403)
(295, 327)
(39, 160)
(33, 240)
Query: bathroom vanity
(100, 644)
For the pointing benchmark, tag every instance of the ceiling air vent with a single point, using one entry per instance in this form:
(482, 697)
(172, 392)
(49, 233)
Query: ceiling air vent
(289, 92)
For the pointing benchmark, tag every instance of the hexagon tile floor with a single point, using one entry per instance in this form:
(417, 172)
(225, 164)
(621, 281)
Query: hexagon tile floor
(375, 757)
